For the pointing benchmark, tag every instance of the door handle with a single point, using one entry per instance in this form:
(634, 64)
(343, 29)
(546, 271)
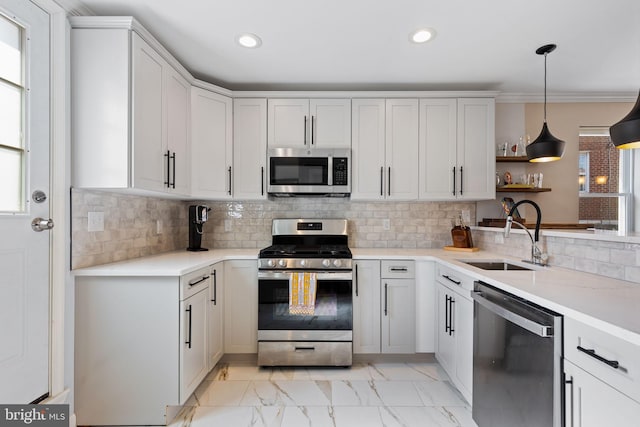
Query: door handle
(591, 352)
(229, 170)
(173, 158)
(312, 128)
(386, 294)
(356, 279)
(41, 224)
(389, 182)
(381, 180)
(454, 181)
(262, 180)
(168, 156)
(461, 180)
(215, 288)
(446, 314)
(305, 130)
(188, 342)
(451, 302)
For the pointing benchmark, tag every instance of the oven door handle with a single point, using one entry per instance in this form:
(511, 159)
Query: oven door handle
(279, 275)
(528, 324)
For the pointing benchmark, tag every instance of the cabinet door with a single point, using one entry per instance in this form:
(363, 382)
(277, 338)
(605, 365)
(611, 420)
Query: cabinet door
(366, 307)
(177, 132)
(398, 315)
(589, 402)
(288, 123)
(425, 306)
(401, 149)
(241, 306)
(476, 139)
(445, 340)
(437, 149)
(193, 343)
(249, 149)
(215, 326)
(463, 330)
(368, 149)
(330, 125)
(149, 162)
(211, 145)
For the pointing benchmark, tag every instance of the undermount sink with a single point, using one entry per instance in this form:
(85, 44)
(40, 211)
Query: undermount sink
(497, 265)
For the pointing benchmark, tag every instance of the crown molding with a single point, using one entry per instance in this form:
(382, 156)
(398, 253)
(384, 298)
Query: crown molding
(526, 98)
(74, 8)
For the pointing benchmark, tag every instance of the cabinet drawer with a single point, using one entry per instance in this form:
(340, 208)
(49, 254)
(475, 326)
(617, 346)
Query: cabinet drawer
(193, 283)
(599, 352)
(398, 269)
(454, 279)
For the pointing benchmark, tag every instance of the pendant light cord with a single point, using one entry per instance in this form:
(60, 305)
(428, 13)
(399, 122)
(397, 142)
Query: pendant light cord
(545, 87)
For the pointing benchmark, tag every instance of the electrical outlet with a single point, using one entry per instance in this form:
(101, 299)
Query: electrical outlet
(386, 224)
(159, 226)
(95, 221)
(498, 238)
(227, 225)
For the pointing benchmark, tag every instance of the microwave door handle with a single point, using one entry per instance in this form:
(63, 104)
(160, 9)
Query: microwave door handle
(330, 170)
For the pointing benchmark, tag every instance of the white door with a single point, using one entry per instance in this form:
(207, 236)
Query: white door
(250, 149)
(366, 307)
(398, 316)
(24, 168)
(177, 121)
(330, 123)
(367, 149)
(402, 149)
(288, 123)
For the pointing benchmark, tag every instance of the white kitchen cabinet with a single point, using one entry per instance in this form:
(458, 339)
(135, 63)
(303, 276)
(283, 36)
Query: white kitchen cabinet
(385, 149)
(366, 306)
(454, 334)
(398, 306)
(143, 334)
(211, 145)
(249, 149)
(323, 123)
(425, 307)
(215, 316)
(129, 113)
(241, 306)
(456, 149)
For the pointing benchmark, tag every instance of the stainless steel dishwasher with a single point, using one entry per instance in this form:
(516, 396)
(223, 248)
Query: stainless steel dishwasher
(517, 361)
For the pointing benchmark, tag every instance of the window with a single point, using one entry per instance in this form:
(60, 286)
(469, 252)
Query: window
(12, 96)
(604, 182)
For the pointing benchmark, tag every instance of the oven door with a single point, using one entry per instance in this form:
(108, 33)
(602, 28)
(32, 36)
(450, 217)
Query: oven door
(333, 305)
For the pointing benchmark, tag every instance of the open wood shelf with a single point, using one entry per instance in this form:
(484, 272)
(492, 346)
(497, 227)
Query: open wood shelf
(521, 190)
(512, 159)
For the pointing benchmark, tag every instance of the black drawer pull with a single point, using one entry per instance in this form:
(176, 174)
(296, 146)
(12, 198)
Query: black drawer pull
(451, 280)
(400, 269)
(305, 348)
(198, 281)
(591, 352)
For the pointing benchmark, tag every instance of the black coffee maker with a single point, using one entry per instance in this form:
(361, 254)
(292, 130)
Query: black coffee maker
(198, 215)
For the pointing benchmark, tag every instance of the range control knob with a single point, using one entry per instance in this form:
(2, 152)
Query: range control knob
(326, 262)
(303, 263)
(337, 263)
(271, 263)
(282, 263)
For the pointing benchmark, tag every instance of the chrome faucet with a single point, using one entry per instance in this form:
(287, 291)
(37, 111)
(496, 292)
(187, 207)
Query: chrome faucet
(537, 256)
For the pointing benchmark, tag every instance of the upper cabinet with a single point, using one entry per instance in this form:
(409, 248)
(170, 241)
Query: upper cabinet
(385, 149)
(130, 112)
(249, 148)
(456, 149)
(211, 145)
(324, 123)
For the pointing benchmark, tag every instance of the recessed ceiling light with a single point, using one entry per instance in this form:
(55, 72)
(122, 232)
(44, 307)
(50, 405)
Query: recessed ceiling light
(422, 35)
(249, 40)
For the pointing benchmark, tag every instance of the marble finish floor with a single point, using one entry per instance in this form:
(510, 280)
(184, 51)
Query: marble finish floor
(241, 394)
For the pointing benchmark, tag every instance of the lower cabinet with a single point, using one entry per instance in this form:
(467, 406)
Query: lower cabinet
(241, 306)
(454, 333)
(215, 319)
(145, 335)
(384, 307)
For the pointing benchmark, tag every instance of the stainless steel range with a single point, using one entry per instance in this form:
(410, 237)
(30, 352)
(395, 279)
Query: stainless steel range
(305, 313)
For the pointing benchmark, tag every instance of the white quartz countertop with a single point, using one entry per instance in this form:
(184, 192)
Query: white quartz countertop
(608, 304)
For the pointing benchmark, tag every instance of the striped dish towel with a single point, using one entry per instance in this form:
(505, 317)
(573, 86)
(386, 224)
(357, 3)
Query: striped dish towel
(302, 293)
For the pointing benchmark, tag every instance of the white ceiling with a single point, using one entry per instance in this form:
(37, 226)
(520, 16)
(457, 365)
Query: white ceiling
(363, 44)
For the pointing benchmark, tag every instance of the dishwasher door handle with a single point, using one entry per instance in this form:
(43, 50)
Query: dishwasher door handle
(528, 324)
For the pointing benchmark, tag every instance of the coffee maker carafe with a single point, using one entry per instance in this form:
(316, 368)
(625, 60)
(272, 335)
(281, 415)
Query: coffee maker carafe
(198, 215)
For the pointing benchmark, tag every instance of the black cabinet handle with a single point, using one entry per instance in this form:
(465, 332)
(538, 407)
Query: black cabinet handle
(454, 181)
(229, 171)
(301, 348)
(400, 269)
(451, 302)
(215, 288)
(305, 130)
(168, 156)
(188, 342)
(386, 288)
(173, 181)
(312, 128)
(446, 314)
(262, 180)
(356, 279)
(591, 352)
(461, 180)
(198, 281)
(381, 180)
(450, 279)
(389, 182)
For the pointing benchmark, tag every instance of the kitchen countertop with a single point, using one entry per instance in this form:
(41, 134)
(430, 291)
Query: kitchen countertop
(604, 303)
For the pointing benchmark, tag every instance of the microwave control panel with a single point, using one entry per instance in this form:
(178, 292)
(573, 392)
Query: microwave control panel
(340, 171)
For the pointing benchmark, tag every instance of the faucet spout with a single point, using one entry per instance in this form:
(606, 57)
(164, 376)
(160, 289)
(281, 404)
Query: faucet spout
(537, 257)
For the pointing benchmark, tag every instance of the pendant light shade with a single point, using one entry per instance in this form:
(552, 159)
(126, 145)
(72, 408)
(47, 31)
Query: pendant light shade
(546, 147)
(626, 133)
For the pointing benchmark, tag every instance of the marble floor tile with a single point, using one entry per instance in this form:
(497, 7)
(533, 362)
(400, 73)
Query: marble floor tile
(357, 416)
(439, 393)
(406, 372)
(222, 393)
(237, 416)
(308, 416)
(286, 393)
(417, 416)
(397, 393)
(354, 393)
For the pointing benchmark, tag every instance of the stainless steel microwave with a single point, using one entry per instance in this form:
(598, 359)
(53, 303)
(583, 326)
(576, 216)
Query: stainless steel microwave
(309, 171)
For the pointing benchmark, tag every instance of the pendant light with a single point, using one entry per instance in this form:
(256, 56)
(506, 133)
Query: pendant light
(626, 133)
(546, 147)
